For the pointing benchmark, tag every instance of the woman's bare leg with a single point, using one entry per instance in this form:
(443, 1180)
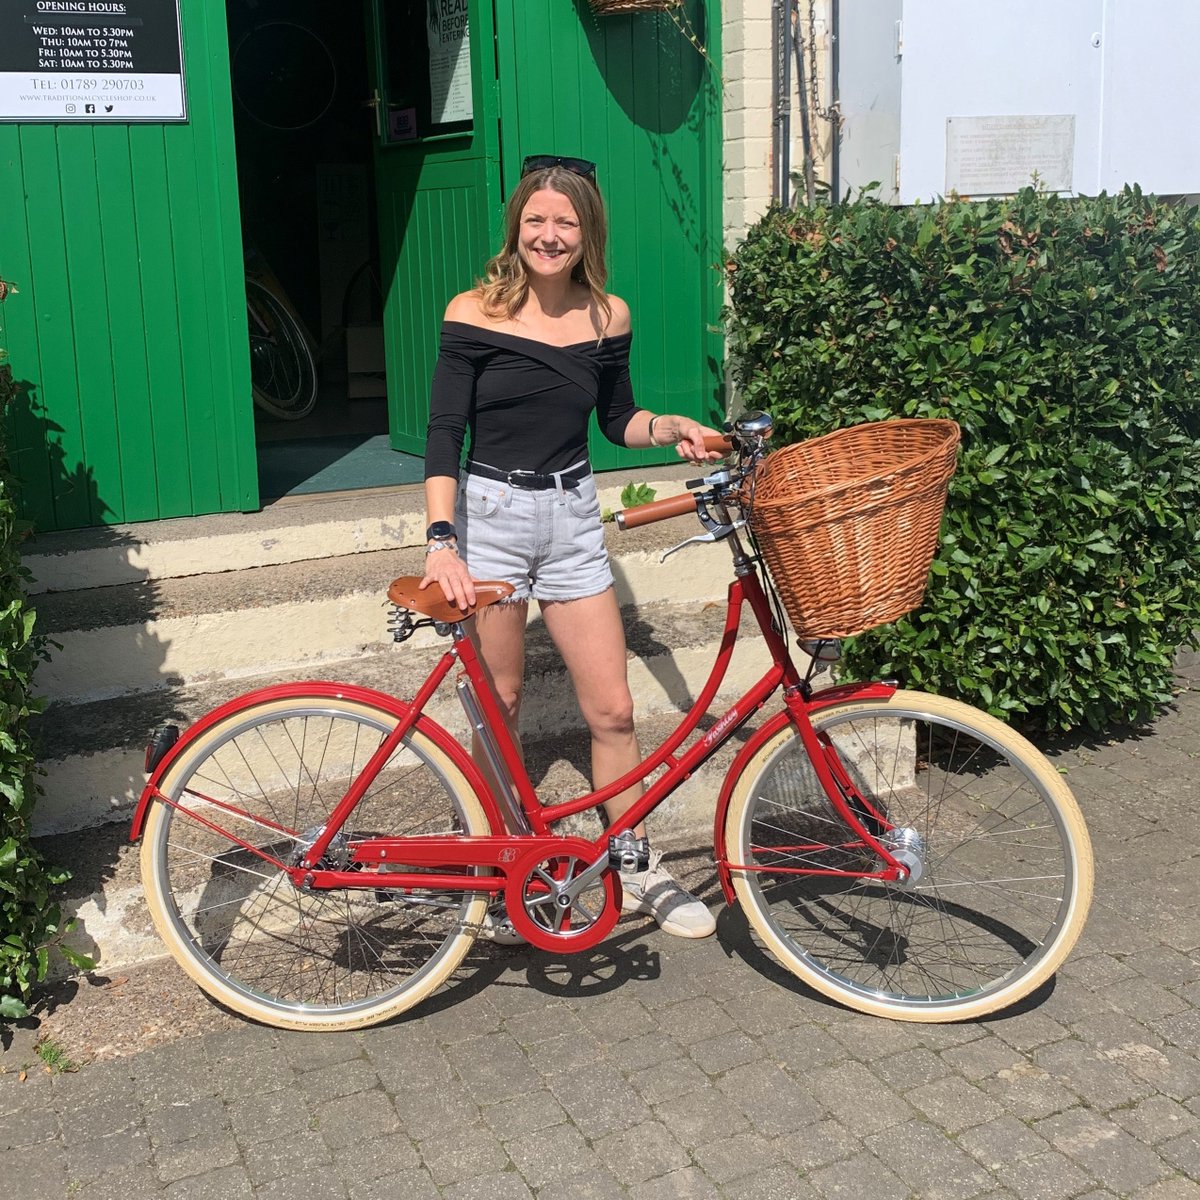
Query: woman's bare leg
(498, 633)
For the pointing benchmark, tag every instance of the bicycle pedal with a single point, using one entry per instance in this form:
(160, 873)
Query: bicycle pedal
(628, 854)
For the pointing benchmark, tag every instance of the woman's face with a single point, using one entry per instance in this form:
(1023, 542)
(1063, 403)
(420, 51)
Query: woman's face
(550, 241)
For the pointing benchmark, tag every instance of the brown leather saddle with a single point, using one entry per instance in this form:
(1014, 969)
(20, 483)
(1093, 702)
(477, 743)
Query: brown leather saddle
(406, 592)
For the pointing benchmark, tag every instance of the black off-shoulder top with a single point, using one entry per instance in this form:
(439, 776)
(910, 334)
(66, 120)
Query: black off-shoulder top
(526, 403)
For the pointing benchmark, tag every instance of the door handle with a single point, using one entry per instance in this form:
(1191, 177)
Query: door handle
(373, 102)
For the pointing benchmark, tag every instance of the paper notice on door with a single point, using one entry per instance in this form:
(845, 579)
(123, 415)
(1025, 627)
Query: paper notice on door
(449, 62)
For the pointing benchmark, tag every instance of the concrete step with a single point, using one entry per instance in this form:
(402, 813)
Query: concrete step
(91, 752)
(104, 894)
(294, 529)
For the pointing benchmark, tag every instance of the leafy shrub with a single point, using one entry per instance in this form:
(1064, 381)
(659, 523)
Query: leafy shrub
(1064, 336)
(30, 921)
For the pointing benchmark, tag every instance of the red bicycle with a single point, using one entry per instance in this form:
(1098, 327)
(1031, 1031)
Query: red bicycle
(322, 856)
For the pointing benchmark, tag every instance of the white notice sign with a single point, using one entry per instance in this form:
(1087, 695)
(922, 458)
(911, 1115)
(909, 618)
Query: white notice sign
(990, 156)
(449, 62)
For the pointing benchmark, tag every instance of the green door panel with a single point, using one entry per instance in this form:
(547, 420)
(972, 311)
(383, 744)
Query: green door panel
(632, 94)
(128, 334)
(438, 200)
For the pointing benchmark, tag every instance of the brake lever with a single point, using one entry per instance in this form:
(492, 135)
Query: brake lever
(715, 534)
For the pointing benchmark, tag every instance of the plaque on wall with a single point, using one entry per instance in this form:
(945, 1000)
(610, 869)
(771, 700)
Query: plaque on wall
(991, 156)
(91, 61)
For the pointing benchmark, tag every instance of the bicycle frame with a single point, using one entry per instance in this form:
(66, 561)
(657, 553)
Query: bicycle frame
(454, 858)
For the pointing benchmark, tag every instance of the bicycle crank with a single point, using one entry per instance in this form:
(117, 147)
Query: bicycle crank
(562, 896)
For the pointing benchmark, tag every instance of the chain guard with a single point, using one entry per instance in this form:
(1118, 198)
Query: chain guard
(528, 896)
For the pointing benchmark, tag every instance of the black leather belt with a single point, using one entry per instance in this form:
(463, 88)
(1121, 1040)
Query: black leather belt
(531, 480)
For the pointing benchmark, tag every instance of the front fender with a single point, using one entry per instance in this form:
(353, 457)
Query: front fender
(825, 698)
(318, 690)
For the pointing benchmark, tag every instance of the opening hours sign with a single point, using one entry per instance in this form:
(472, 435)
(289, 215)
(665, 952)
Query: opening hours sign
(91, 61)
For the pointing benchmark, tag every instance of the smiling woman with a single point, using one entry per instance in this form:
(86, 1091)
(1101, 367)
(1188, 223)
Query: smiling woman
(526, 357)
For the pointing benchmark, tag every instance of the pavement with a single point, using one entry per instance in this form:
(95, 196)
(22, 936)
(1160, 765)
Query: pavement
(653, 1067)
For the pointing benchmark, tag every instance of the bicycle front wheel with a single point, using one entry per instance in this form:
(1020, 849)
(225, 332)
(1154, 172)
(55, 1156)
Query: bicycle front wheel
(283, 372)
(270, 775)
(1000, 862)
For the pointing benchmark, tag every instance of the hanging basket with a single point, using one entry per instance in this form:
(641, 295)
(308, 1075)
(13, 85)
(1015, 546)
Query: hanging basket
(848, 523)
(609, 8)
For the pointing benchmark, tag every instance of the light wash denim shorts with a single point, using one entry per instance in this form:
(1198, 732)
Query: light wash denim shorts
(547, 544)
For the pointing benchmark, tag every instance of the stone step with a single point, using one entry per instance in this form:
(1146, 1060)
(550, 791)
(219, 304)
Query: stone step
(91, 751)
(104, 894)
(291, 530)
(160, 633)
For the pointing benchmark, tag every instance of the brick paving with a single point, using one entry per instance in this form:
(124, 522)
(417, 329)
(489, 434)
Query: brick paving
(660, 1068)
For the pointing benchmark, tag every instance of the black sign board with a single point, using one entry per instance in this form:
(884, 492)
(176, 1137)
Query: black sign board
(91, 61)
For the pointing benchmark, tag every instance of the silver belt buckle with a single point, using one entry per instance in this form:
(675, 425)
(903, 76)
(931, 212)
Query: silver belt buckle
(513, 480)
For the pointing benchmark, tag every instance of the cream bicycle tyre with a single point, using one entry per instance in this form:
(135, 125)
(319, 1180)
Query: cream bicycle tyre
(858, 941)
(232, 921)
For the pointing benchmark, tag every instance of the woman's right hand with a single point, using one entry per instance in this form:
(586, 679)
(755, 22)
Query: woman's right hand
(446, 569)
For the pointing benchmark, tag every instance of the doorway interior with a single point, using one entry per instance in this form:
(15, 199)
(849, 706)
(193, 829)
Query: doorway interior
(305, 163)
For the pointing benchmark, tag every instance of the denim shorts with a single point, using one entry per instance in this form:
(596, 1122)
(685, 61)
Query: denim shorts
(547, 544)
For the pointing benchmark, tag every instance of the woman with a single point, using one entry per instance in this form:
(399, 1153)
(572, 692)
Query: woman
(525, 357)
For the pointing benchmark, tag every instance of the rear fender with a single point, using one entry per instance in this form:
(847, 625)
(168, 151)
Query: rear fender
(825, 698)
(339, 691)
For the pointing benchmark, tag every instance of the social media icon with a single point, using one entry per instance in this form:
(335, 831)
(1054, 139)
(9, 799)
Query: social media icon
(108, 108)
(70, 108)
(89, 108)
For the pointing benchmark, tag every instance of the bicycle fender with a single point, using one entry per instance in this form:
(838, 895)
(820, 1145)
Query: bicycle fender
(825, 698)
(320, 690)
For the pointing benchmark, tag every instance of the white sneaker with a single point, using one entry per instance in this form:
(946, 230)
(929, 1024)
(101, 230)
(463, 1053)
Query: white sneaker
(655, 891)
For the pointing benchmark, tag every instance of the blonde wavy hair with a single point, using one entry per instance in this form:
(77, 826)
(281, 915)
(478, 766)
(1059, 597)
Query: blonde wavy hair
(504, 287)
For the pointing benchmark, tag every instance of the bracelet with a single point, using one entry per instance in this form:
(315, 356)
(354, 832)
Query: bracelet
(650, 428)
(434, 547)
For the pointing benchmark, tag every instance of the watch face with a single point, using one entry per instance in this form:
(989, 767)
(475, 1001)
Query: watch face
(440, 531)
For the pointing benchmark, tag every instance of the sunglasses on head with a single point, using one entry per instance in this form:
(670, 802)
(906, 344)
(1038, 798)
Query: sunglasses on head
(543, 162)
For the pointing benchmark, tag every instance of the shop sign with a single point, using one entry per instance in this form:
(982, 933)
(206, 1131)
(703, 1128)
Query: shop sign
(91, 61)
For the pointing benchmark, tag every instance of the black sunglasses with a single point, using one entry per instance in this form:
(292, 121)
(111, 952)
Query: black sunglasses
(543, 162)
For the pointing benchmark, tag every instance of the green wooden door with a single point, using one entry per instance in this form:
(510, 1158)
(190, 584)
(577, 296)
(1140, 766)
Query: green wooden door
(128, 333)
(633, 94)
(437, 182)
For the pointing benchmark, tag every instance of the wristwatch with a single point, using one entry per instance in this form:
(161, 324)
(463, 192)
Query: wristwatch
(441, 531)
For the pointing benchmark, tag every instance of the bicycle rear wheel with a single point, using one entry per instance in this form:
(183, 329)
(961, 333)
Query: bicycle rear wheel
(1001, 863)
(283, 372)
(271, 774)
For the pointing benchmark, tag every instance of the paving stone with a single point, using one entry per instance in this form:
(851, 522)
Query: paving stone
(341, 1079)
(1099, 1081)
(983, 1057)
(1142, 998)
(427, 1111)
(1004, 1140)
(1029, 1030)
(500, 1186)
(869, 1038)
(545, 1156)
(407, 1057)
(292, 1154)
(131, 1183)
(540, 1025)
(731, 1158)
(461, 1154)
(1028, 1092)
(722, 1053)
(700, 1117)
(764, 1011)
(228, 1183)
(595, 1185)
(401, 1185)
(929, 1162)
(953, 1104)
(261, 1118)
(1096, 971)
(102, 1115)
(772, 1101)
(817, 1145)
(196, 1156)
(494, 1066)
(863, 1175)
(1182, 1030)
(1178, 1188)
(617, 1018)
(686, 1184)
(563, 1053)
(1103, 1149)
(667, 1080)
(43, 1176)
(529, 1113)
(306, 1187)
(1183, 1152)
(1156, 1119)
(1047, 1176)
(643, 1152)
(28, 1127)
(382, 1156)
(311, 1052)
(911, 1068)
(1165, 966)
(186, 1119)
(356, 1118)
(646, 1050)
(597, 1101)
(843, 1089)
(85, 1159)
(804, 1048)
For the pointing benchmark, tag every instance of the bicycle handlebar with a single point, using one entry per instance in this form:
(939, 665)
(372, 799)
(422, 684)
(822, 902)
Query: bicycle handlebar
(656, 510)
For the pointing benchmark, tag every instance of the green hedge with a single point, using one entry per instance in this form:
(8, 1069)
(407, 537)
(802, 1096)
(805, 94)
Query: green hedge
(1064, 336)
(30, 920)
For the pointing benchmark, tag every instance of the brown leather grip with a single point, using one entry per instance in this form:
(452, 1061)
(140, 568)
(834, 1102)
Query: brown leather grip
(719, 442)
(656, 510)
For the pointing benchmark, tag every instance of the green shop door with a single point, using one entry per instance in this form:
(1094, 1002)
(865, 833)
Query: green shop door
(437, 181)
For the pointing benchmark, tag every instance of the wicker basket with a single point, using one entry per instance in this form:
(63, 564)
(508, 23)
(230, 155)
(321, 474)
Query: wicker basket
(608, 8)
(848, 523)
